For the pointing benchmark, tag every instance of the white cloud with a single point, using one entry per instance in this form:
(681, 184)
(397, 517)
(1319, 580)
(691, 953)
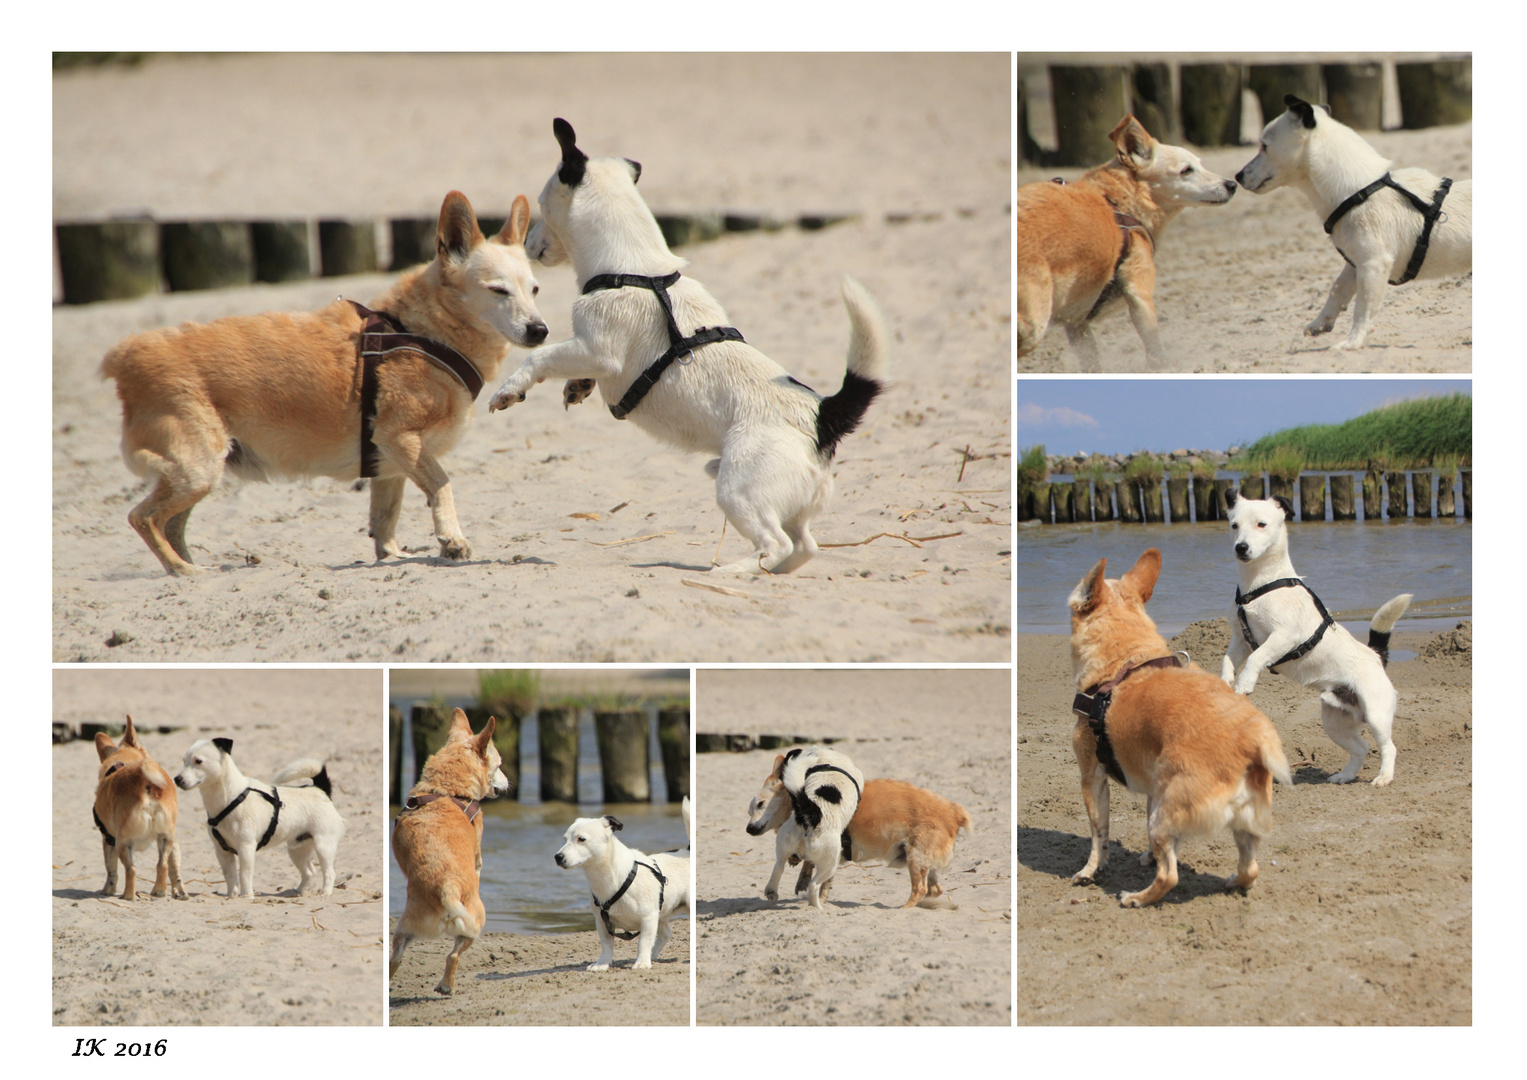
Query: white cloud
(1034, 416)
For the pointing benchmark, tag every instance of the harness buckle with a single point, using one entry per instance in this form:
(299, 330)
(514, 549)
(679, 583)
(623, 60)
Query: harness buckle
(685, 362)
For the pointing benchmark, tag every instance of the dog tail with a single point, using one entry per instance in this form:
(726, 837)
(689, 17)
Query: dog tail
(865, 377)
(304, 769)
(963, 817)
(689, 827)
(1383, 622)
(1271, 754)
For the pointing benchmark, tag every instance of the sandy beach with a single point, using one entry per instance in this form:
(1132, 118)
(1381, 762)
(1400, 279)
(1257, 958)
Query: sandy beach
(863, 960)
(274, 959)
(591, 541)
(1364, 910)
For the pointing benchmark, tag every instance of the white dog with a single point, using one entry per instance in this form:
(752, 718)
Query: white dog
(824, 788)
(631, 891)
(1296, 634)
(245, 815)
(637, 314)
(1389, 225)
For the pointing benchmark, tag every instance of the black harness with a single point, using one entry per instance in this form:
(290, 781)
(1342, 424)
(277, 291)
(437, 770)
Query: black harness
(380, 336)
(470, 807)
(1128, 225)
(1282, 583)
(1431, 212)
(275, 816)
(604, 908)
(1093, 704)
(111, 841)
(678, 344)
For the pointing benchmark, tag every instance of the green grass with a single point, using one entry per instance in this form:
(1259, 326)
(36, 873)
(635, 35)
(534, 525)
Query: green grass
(1145, 468)
(508, 690)
(1403, 435)
(1033, 467)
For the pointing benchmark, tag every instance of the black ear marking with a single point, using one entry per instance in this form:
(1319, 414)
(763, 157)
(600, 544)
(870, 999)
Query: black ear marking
(574, 161)
(225, 745)
(1230, 497)
(1300, 108)
(636, 170)
(614, 823)
(1287, 506)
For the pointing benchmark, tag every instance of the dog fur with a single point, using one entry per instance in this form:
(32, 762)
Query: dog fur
(440, 851)
(278, 395)
(897, 823)
(1069, 243)
(821, 805)
(591, 843)
(1308, 149)
(1203, 756)
(1355, 689)
(135, 802)
(774, 437)
(308, 824)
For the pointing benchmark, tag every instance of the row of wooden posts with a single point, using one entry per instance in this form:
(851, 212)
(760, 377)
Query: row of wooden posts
(622, 735)
(129, 257)
(1088, 100)
(1083, 500)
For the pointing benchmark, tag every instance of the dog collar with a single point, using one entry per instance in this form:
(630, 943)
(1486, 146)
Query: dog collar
(678, 344)
(1430, 212)
(270, 830)
(604, 908)
(382, 335)
(1241, 600)
(1094, 701)
(470, 807)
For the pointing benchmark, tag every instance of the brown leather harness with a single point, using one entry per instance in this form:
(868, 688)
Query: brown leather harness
(470, 807)
(1128, 225)
(1094, 701)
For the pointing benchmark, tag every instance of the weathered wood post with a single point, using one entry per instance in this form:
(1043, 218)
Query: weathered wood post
(1088, 103)
(346, 247)
(282, 250)
(673, 737)
(1355, 93)
(624, 757)
(1373, 496)
(1151, 489)
(1435, 92)
(1151, 101)
(1219, 499)
(1203, 498)
(1129, 501)
(1252, 486)
(1177, 498)
(1280, 485)
(413, 242)
(1021, 111)
(1447, 507)
(1211, 104)
(1065, 502)
(1103, 501)
(557, 743)
(1312, 497)
(108, 260)
(1269, 82)
(206, 254)
(1342, 506)
(395, 788)
(1081, 501)
(1466, 477)
(1395, 481)
(428, 725)
(1421, 492)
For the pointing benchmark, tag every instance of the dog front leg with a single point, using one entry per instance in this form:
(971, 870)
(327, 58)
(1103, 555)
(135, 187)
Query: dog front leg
(1235, 656)
(1336, 302)
(606, 945)
(1094, 797)
(1279, 644)
(109, 853)
(825, 868)
(646, 941)
(246, 858)
(386, 504)
(228, 862)
(572, 359)
(781, 854)
(407, 449)
(1371, 279)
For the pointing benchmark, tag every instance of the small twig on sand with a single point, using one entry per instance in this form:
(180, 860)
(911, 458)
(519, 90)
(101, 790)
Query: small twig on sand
(722, 589)
(631, 539)
(715, 560)
(622, 506)
(316, 924)
(915, 541)
(964, 460)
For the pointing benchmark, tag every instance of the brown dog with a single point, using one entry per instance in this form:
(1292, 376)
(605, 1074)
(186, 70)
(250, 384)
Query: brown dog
(1203, 755)
(896, 822)
(135, 803)
(1085, 245)
(437, 841)
(284, 394)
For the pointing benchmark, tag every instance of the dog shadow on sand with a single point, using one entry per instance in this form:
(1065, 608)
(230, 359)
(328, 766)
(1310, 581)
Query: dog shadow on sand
(1061, 854)
(720, 909)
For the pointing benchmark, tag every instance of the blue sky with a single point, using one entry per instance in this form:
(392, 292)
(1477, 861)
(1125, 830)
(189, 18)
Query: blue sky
(1120, 416)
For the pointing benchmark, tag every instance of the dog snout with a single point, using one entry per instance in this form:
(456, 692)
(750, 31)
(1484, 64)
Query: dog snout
(1230, 187)
(1240, 178)
(535, 333)
(560, 861)
(1242, 550)
(754, 828)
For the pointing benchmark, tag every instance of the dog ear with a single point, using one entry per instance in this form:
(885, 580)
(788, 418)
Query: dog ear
(131, 738)
(1300, 108)
(460, 728)
(1085, 597)
(779, 764)
(485, 736)
(1133, 143)
(636, 170)
(1288, 507)
(1231, 495)
(457, 234)
(515, 229)
(104, 747)
(225, 745)
(574, 161)
(1142, 576)
(613, 823)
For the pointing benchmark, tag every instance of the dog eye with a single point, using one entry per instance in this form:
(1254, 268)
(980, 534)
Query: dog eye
(498, 289)
(1185, 170)
(535, 290)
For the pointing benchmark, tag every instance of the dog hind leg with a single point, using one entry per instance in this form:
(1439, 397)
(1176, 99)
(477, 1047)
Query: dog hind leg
(162, 867)
(1086, 346)
(400, 940)
(1344, 729)
(177, 890)
(447, 982)
(1378, 711)
(1246, 870)
(170, 500)
(917, 871)
(1164, 847)
(129, 874)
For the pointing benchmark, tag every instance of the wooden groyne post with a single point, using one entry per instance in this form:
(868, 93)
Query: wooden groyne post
(1342, 506)
(557, 739)
(673, 739)
(624, 757)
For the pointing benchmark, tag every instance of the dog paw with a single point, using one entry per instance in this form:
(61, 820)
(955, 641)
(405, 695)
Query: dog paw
(1129, 899)
(1341, 778)
(1147, 858)
(641, 965)
(180, 894)
(505, 398)
(1318, 327)
(1382, 781)
(454, 548)
(443, 990)
(598, 967)
(771, 894)
(575, 390)
(1081, 877)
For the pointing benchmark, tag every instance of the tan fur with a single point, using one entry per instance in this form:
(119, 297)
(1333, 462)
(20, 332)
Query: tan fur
(897, 823)
(136, 801)
(287, 388)
(1204, 756)
(440, 851)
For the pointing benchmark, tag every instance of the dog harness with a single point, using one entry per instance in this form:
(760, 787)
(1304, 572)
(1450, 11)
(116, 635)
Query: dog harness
(1128, 225)
(470, 807)
(1431, 212)
(678, 344)
(604, 908)
(111, 841)
(270, 830)
(382, 335)
(1282, 583)
(1094, 701)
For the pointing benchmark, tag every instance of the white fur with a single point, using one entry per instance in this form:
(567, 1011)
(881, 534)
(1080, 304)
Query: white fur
(309, 825)
(591, 843)
(729, 400)
(822, 845)
(1285, 618)
(1330, 162)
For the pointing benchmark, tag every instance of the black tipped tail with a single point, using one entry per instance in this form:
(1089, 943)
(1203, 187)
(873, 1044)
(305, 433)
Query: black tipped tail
(1378, 641)
(839, 415)
(321, 782)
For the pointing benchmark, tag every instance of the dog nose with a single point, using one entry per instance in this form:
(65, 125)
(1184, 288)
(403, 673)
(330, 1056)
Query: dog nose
(1242, 548)
(536, 333)
(558, 858)
(1230, 185)
(1240, 177)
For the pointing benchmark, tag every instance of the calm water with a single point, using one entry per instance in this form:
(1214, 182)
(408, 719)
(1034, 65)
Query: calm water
(524, 891)
(1354, 567)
